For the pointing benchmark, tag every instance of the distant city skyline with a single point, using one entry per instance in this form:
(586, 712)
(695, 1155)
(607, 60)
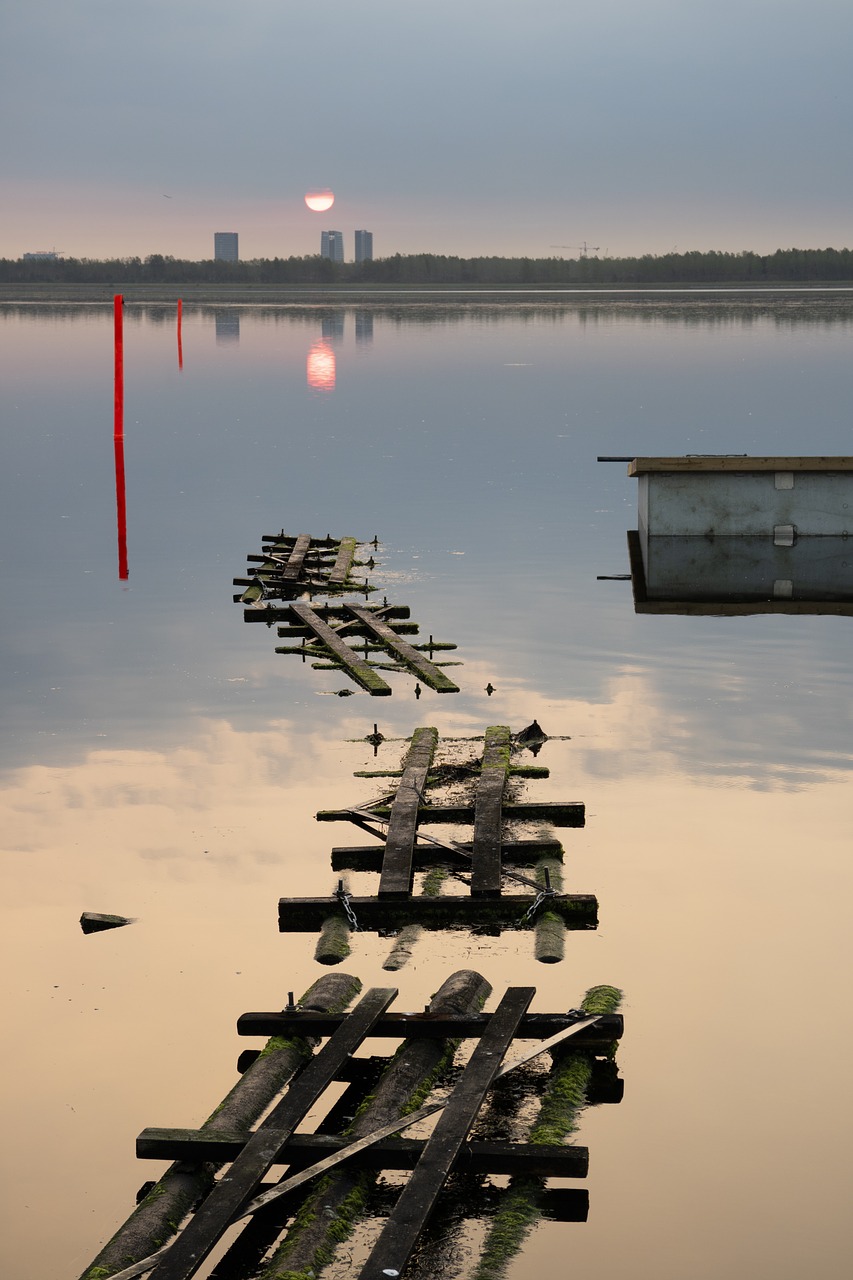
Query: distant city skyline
(721, 124)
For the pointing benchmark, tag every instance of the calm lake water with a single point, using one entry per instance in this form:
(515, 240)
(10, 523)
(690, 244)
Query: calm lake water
(162, 762)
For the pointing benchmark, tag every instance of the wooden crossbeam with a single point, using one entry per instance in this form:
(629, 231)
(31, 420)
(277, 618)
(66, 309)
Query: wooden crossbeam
(488, 813)
(403, 652)
(558, 813)
(417, 1199)
(355, 667)
(257, 1157)
(305, 1149)
(597, 1037)
(306, 915)
(397, 869)
(517, 853)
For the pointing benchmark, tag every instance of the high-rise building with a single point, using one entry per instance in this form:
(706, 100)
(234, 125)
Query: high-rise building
(225, 246)
(332, 245)
(364, 246)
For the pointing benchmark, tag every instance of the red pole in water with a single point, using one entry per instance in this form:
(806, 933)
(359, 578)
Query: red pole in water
(118, 437)
(180, 343)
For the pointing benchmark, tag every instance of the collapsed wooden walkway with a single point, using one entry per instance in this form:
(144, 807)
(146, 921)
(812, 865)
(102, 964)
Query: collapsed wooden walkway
(485, 864)
(323, 632)
(242, 1194)
(291, 565)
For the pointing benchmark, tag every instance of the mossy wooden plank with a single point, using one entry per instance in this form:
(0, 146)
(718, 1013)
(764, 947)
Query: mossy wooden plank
(343, 563)
(397, 869)
(488, 813)
(291, 571)
(355, 667)
(404, 653)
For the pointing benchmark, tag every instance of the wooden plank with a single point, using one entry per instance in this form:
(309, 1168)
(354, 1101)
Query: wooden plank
(291, 571)
(355, 667)
(738, 462)
(343, 563)
(488, 814)
(518, 853)
(403, 652)
(218, 1210)
(305, 1149)
(306, 915)
(567, 813)
(397, 869)
(534, 1026)
(417, 1199)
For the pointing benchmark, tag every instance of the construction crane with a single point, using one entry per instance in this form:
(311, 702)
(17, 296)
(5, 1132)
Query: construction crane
(583, 249)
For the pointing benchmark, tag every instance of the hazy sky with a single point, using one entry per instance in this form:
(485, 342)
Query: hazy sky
(458, 126)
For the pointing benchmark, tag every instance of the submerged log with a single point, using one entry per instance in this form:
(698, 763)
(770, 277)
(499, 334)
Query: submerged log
(158, 1217)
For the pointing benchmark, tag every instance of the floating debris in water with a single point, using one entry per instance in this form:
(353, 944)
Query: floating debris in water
(96, 922)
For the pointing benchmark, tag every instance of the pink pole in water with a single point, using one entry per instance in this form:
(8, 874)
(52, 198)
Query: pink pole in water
(118, 437)
(180, 341)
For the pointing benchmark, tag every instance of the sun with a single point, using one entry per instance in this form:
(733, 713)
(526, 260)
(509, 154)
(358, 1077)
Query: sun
(319, 201)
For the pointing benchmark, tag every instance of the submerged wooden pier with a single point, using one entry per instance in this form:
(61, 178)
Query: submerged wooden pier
(485, 864)
(288, 1163)
(358, 1152)
(291, 564)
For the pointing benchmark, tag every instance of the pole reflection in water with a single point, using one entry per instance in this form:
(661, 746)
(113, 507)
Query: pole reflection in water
(180, 338)
(320, 368)
(118, 437)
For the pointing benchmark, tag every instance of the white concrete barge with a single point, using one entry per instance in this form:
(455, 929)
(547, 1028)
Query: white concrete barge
(736, 534)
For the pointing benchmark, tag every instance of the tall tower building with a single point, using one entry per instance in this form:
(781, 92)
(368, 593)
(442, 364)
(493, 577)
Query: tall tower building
(225, 246)
(364, 246)
(332, 245)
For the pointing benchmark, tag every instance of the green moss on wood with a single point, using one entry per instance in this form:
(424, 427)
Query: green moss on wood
(433, 880)
(333, 944)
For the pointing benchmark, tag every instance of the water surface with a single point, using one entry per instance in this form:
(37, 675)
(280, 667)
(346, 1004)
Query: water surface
(162, 762)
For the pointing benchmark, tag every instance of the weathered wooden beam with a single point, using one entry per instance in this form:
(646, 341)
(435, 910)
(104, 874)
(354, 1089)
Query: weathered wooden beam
(598, 1037)
(558, 813)
(343, 563)
(516, 853)
(291, 571)
(404, 653)
(418, 1198)
(260, 1152)
(488, 813)
(304, 1149)
(397, 869)
(306, 915)
(355, 667)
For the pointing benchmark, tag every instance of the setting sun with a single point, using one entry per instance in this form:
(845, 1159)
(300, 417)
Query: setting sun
(319, 201)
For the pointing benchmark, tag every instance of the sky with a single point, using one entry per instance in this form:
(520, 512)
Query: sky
(471, 128)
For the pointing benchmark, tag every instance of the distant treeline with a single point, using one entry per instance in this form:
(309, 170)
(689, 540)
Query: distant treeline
(805, 265)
